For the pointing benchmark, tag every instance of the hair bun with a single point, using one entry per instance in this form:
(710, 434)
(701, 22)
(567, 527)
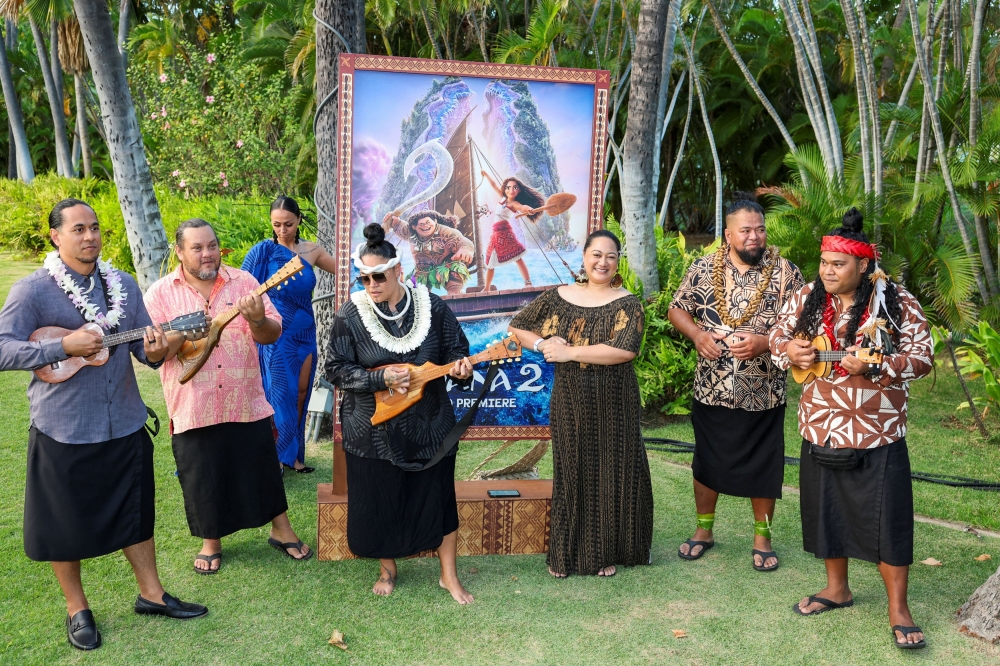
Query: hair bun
(744, 196)
(374, 234)
(853, 220)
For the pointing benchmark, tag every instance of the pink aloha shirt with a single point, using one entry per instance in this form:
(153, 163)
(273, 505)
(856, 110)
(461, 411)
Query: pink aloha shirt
(228, 388)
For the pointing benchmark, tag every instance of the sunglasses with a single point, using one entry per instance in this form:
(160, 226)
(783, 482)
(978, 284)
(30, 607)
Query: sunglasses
(365, 280)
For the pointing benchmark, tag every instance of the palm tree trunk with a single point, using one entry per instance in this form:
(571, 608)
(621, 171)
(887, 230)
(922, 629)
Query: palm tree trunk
(710, 135)
(55, 102)
(25, 168)
(771, 111)
(81, 125)
(143, 224)
(873, 104)
(57, 74)
(347, 18)
(673, 16)
(887, 62)
(637, 186)
(935, 121)
(816, 60)
(680, 151)
(430, 33)
(480, 37)
(124, 21)
(981, 225)
(861, 86)
(903, 97)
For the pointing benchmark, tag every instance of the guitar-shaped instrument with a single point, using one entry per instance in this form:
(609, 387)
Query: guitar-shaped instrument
(390, 403)
(193, 354)
(826, 357)
(60, 371)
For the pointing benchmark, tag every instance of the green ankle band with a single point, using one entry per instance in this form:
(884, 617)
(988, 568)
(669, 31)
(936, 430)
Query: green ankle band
(706, 520)
(762, 528)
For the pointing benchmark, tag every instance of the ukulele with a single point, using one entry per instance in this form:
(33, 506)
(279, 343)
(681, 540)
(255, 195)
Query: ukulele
(60, 371)
(391, 403)
(826, 357)
(194, 354)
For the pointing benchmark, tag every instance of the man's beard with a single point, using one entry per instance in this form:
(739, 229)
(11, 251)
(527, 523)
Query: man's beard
(751, 257)
(204, 274)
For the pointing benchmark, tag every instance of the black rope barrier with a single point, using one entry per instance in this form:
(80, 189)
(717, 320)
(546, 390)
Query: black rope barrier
(666, 445)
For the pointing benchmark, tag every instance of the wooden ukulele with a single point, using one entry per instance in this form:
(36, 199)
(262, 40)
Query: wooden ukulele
(60, 371)
(193, 354)
(390, 403)
(826, 357)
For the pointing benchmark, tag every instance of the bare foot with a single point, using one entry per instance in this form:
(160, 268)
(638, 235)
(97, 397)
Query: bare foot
(904, 619)
(556, 574)
(209, 547)
(607, 572)
(764, 545)
(840, 596)
(386, 582)
(458, 592)
(699, 535)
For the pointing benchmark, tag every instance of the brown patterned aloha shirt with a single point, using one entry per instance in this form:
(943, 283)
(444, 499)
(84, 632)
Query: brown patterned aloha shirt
(755, 384)
(858, 411)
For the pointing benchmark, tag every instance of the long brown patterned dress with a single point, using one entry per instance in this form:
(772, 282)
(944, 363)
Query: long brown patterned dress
(602, 499)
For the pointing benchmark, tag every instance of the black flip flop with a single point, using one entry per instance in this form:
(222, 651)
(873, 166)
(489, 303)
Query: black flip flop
(209, 559)
(764, 554)
(305, 469)
(906, 631)
(283, 547)
(705, 545)
(828, 606)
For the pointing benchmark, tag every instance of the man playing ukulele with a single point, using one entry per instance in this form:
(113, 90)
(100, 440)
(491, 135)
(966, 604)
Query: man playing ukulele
(857, 499)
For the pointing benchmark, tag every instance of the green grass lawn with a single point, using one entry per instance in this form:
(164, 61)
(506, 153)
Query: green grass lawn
(266, 608)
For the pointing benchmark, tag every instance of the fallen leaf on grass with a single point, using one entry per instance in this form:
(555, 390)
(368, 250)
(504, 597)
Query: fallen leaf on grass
(338, 639)
(679, 633)
(473, 570)
(931, 562)
(517, 591)
(513, 577)
(982, 558)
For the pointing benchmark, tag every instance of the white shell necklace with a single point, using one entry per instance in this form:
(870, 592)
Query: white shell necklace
(418, 331)
(395, 317)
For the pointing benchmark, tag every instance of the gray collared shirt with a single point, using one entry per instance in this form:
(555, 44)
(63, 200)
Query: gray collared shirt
(96, 404)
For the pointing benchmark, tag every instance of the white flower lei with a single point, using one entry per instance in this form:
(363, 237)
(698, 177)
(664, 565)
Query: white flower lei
(410, 341)
(57, 269)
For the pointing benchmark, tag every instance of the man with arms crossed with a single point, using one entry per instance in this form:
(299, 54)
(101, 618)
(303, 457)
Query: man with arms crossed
(89, 486)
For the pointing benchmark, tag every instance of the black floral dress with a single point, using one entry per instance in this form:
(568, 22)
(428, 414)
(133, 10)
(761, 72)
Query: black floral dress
(602, 498)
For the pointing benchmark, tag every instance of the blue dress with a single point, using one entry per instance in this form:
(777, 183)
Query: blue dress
(281, 362)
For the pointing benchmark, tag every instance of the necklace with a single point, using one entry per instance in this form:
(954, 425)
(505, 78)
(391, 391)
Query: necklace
(57, 269)
(402, 312)
(418, 331)
(719, 282)
(828, 329)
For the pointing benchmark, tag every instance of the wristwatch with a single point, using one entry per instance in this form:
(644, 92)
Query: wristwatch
(539, 341)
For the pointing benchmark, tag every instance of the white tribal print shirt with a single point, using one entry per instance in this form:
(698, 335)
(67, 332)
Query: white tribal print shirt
(858, 411)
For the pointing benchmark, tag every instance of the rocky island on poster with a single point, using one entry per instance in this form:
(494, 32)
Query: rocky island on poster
(450, 157)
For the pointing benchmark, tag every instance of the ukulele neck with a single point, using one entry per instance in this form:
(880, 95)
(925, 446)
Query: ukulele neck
(231, 313)
(831, 356)
(441, 370)
(129, 336)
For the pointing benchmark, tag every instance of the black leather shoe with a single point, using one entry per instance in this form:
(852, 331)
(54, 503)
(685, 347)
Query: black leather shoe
(81, 629)
(172, 607)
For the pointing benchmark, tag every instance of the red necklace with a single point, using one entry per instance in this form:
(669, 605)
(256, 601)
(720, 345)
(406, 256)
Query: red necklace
(828, 329)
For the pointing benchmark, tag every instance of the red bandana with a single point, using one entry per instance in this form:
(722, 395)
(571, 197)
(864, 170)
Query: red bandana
(851, 247)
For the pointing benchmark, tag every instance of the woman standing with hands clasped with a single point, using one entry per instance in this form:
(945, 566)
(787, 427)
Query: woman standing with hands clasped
(602, 498)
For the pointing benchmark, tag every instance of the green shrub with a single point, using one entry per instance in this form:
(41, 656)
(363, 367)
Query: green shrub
(666, 363)
(24, 232)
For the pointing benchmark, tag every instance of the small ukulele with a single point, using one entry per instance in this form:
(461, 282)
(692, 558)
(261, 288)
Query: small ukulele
(60, 371)
(390, 403)
(826, 357)
(193, 354)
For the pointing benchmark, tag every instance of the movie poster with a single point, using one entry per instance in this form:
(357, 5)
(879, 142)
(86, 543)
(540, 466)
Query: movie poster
(487, 179)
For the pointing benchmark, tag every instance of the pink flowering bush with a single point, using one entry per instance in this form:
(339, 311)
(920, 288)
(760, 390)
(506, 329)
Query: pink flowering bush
(234, 126)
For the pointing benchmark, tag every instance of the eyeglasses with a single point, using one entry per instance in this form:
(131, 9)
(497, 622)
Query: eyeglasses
(377, 278)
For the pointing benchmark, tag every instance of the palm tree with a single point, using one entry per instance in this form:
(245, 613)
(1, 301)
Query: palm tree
(637, 186)
(25, 168)
(73, 58)
(548, 24)
(143, 225)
